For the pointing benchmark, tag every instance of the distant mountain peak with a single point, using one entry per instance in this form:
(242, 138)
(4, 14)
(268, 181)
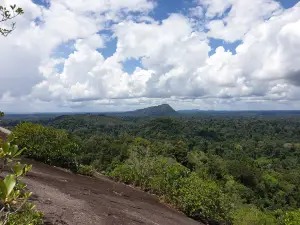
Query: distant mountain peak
(159, 110)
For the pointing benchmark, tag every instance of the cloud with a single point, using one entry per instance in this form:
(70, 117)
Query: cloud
(237, 17)
(24, 53)
(215, 8)
(178, 61)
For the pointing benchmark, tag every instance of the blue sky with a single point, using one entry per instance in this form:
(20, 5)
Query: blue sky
(165, 7)
(288, 3)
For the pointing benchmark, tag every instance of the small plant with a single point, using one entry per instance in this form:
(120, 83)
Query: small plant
(26, 216)
(85, 170)
(13, 194)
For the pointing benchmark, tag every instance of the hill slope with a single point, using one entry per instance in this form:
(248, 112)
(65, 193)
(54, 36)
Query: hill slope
(68, 199)
(160, 110)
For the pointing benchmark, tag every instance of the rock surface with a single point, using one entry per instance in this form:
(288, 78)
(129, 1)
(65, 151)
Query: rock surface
(67, 198)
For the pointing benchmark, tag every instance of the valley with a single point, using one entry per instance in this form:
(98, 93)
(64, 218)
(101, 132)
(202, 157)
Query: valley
(215, 167)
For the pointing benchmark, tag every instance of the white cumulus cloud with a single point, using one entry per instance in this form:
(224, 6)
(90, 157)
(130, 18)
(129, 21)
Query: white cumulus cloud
(178, 62)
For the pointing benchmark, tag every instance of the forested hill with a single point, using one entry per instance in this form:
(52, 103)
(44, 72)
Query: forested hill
(160, 110)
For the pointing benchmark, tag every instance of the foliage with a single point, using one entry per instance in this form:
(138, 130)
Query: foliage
(212, 167)
(9, 13)
(85, 170)
(54, 147)
(176, 184)
(252, 216)
(27, 217)
(291, 218)
(204, 198)
(101, 151)
(13, 195)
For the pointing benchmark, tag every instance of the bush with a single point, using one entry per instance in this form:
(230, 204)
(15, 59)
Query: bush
(46, 144)
(168, 174)
(123, 173)
(290, 218)
(174, 182)
(252, 216)
(85, 170)
(204, 199)
(159, 174)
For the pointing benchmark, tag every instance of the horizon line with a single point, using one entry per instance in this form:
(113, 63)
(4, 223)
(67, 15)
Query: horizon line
(195, 110)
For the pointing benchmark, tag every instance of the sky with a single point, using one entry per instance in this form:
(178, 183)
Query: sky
(118, 55)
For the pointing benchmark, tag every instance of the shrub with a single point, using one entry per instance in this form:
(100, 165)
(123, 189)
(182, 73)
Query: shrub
(250, 215)
(169, 179)
(203, 198)
(167, 176)
(85, 170)
(158, 174)
(290, 218)
(123, 173)
(46, 144)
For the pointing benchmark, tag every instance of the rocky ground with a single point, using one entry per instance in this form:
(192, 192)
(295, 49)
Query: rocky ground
(67, 198)
(3, 133)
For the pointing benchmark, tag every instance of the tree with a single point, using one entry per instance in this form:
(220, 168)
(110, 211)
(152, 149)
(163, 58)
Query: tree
(7, 14)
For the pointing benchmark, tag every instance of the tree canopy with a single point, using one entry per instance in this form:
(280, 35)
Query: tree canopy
(226, 169)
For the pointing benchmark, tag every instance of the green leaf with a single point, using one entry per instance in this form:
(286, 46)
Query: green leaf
(9, 182)
(21, 185)
(19, 152)
(27, 168)
(19, 11)
(31, 206)
(18, 169)
(3, 189)
(7, 14)
(6, 147)
(14, 149)
(2, 154)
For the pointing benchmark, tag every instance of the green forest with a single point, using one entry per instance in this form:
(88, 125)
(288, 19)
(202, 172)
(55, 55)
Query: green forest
(219, 169)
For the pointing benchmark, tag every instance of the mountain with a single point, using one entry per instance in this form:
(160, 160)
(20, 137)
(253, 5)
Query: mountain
(160, 110)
